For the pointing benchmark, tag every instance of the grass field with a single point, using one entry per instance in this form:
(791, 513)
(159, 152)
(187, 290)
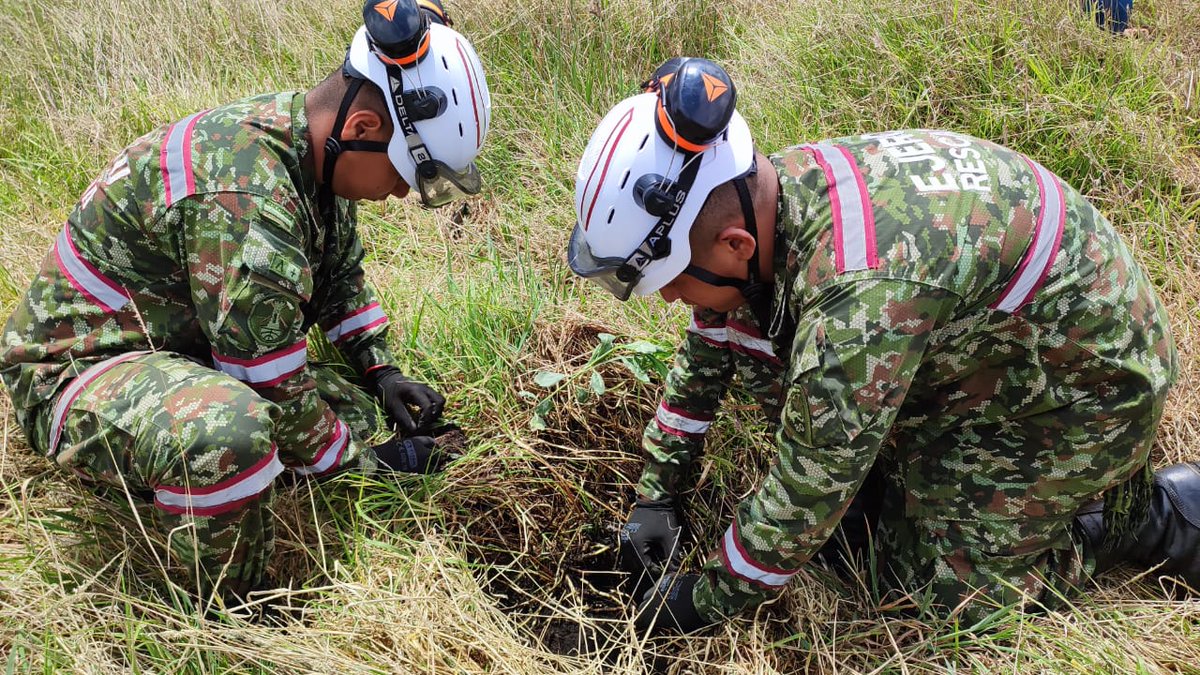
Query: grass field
(494, 566)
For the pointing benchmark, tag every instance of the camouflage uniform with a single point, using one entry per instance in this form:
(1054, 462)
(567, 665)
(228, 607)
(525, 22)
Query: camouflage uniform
(950, 312)
(162, 346)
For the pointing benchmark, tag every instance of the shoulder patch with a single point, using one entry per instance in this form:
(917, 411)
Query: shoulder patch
(279, 259)
(279, 265)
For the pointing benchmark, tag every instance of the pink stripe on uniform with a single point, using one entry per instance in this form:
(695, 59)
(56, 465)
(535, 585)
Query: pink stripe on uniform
(189, 170)
(868, 211)
(267, 370)
(745, 339)
(358, 321)
(739, 563)
(1047, 238)
(329, 456)
(853, 216)
(175, 160)
(683, 423)
(713, 334)
(84, 277)
(74, 389)
(162, 167)
(224, 496)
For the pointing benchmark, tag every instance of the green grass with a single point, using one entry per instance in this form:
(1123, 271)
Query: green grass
(467, 572)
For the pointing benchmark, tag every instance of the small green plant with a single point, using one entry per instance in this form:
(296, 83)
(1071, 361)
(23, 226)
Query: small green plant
(647, 361)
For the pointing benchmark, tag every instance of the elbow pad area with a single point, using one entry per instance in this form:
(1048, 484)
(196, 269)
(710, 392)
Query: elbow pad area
(820, 409)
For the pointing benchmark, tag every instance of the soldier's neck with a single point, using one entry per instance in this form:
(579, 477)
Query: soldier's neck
(320, 124)
(766, 210)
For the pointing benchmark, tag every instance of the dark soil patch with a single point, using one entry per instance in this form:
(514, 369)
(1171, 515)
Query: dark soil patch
(454, 442)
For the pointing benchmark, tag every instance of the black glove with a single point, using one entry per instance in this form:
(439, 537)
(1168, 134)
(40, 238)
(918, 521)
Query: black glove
(396, 393)
(415, 454)
(669, 606)
(649, 543)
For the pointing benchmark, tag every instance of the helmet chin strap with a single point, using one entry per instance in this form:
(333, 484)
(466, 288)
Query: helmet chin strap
(335, 146)
(751, 287)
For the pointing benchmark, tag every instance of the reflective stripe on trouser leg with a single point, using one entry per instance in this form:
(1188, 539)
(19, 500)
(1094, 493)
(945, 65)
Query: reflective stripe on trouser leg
(356, 408)
(200, 443)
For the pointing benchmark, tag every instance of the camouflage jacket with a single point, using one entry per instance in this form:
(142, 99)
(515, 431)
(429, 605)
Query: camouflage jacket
(924, 281)
(204, 237)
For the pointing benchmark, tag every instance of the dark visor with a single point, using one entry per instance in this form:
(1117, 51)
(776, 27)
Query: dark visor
(444, 184)
(602, 270)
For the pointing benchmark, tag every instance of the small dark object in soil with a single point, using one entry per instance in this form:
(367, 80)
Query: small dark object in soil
(454, 441)
(569, 638)
(456, 229)
(600, 588)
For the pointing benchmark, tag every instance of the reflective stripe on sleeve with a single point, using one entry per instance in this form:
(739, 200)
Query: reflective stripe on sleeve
(358, 321)
(226, 495)
(747, 341)
(329, 456)
(853, 215)
(680, 422)
(84, 276)
(741, 565)
(267, 370)
(713, 335)
(1047, 237)
(175, 160)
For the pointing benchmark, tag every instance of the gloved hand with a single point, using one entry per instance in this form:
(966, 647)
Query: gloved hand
(649, 543)
(415, 454)
(396, 393)
(669, 606)
(422, 454)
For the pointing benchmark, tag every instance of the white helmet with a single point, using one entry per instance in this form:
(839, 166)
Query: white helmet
(439, 100)
(647, 171)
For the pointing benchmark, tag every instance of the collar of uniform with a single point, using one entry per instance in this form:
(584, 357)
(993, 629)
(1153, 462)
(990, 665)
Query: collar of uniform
(794, 238)
(779, 261)
(302, 141)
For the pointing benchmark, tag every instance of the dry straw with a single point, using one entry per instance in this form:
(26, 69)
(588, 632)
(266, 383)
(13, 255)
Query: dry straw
(500, 565)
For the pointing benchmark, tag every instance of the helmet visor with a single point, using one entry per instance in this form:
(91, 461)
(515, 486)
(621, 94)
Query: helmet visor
(605, 271)
(439, 184)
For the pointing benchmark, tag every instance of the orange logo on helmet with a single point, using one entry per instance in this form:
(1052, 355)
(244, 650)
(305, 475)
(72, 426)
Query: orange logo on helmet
(714, 87)
(388, 9)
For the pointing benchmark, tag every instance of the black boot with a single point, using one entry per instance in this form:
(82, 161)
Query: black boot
(1171, 535)
(849, 547)
(1089, 524)
(1168, 540)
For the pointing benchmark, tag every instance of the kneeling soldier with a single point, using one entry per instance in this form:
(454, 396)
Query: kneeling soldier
(162, 347)
(953, 346)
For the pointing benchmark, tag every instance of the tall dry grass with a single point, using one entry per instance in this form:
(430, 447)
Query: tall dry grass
(499, 566)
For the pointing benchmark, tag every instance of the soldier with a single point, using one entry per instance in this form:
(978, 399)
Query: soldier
(953, 347)
(162, 347)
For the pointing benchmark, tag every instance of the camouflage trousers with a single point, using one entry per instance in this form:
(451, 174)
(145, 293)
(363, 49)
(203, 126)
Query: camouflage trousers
(944, 540)
(159, 428)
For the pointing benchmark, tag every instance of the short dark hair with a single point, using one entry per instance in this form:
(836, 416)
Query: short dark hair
(720, 210)
(328, 95)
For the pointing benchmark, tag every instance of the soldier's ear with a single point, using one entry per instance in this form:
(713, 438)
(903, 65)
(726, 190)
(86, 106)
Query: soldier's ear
(364, 124)
(737, 242)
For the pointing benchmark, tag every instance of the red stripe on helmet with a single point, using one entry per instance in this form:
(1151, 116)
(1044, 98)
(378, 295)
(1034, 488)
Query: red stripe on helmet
(623, 123)
(471, 85)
